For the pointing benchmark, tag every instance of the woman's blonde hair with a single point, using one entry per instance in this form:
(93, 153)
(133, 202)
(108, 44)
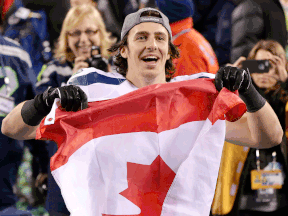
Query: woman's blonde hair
(73, 18)
(269, 45)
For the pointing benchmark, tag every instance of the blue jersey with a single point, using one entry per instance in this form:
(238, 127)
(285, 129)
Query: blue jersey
(16, 83)
(54, 74)
(15, 64)
(31, 33)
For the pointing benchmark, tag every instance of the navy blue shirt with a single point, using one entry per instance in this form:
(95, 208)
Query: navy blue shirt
(54, 74)
(15, 64)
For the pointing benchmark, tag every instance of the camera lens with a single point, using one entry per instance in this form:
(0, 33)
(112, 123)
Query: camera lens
(261, 67)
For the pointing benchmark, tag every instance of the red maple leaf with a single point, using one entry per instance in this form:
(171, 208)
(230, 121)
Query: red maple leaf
(148, 186)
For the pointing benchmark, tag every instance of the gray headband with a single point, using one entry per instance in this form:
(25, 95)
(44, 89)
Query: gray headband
(134, 19)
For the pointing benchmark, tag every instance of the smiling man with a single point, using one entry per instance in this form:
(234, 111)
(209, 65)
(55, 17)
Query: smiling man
(150, 51)
(147, 63)
(144, 149)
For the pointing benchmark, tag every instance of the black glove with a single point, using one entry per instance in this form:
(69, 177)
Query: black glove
(234, 79)
(72, 98)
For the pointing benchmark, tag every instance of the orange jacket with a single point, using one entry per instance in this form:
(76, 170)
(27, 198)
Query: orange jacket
(196, 54)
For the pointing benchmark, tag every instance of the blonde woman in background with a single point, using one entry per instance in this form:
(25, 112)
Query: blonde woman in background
(82, 28)
(74, 3)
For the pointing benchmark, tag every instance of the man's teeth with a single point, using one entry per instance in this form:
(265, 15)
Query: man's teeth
(150, 59)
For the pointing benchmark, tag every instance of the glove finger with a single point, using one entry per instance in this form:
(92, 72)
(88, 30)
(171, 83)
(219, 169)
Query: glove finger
(247, 80)
(52, 96)
(84, 100)
(219, 79)
(77, 100)
(62, 96)
(232, 78)
(239, 79)
(70, 91)
(226, 74)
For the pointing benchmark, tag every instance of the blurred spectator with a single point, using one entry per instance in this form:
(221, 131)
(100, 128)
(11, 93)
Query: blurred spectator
(16, 86)
(115, 11)
(77, 36)
(80, 2)
(55, 10)
(29, 28)
(205, 17)
(82, 28)
(234, 195)
(213, 20)
(284, 4)
(253, 20)
(222, 46)
(196, 54)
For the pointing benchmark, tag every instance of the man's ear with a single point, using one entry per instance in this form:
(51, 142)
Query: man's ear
(124, 52)
(168, 57)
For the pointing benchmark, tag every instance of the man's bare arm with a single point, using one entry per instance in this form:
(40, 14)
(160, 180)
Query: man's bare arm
(22, 122)
(13, 125)
(260, 129)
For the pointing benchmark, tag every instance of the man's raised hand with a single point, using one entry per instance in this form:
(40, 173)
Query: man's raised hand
(233, 79)
(72, 98)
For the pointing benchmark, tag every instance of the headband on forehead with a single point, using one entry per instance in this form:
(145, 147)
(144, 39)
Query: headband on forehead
(134, 19)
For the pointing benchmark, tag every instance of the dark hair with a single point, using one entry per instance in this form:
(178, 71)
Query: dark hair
(122, 64)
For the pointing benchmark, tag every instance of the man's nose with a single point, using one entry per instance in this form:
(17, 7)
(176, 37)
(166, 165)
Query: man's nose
(151, 44)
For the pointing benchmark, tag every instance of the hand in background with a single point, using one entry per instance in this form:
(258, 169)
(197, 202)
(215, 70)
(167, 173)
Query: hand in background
(238, 63)
(280, 73)
(79, 64)
(41, 182)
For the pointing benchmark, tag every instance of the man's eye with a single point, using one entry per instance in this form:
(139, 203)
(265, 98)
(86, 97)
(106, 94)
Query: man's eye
(141, 37)
(160, 38)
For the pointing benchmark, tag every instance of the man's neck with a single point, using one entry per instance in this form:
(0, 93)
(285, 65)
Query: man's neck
(142, 81)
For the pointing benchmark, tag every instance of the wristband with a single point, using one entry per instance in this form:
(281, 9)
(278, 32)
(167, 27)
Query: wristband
(33, 111)
(30, 115)
(252, 98)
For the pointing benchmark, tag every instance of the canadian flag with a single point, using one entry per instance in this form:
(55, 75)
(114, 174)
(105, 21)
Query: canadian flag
(152, 151)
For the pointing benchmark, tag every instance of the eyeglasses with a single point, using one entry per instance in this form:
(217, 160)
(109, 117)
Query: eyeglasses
(78, 33)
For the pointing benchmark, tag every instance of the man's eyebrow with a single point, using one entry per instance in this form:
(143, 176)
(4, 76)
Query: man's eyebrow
(147, 33)
(160, 33)
(142, 33)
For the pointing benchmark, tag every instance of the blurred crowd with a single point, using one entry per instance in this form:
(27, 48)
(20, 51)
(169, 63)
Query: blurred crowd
(43, 43)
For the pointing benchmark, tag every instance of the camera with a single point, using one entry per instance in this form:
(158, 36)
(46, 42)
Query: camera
(256, 66)
(96, 60)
